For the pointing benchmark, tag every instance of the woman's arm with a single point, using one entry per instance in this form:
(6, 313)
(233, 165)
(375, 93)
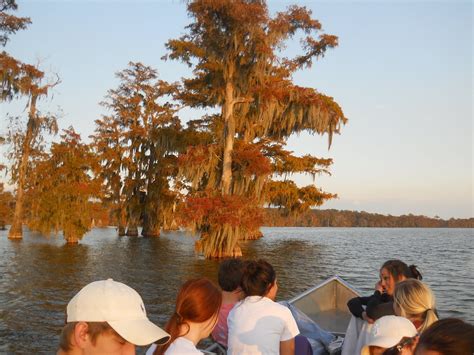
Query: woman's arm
(355, 305)
(287, 347)
(379, 305)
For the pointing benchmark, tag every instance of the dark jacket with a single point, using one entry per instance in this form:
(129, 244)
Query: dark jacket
(377, 305)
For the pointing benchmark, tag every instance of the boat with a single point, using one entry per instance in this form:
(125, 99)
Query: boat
(326, 304)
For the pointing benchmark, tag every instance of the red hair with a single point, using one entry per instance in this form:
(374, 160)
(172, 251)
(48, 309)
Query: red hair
(198, 301)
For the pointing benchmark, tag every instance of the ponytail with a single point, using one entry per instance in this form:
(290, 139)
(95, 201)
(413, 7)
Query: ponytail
(429, 318)
(415, 273)
(198, 301)
(172, 328)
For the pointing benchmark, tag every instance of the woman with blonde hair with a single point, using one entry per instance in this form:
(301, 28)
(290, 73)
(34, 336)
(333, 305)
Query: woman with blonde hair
(414, 300)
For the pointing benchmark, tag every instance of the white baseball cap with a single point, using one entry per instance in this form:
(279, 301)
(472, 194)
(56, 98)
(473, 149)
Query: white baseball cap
(388, 331)
(120, 306)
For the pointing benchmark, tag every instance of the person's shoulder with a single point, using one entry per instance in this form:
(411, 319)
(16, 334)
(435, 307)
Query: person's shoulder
(182, 346)
(276, 307)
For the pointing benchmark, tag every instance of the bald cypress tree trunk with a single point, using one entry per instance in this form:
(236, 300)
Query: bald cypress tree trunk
(150, 227)
(132, 231)
(16, 231)
(121, 230)
(229, 135)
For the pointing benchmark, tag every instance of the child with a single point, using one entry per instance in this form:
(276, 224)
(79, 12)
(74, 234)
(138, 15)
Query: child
(257, 324)
(414, 300)
(448, 336)
(229, 278)
(197, 307)
(107, 317)
(391, 335)
(379, 304)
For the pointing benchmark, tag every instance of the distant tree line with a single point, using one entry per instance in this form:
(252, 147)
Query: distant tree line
(275, 217)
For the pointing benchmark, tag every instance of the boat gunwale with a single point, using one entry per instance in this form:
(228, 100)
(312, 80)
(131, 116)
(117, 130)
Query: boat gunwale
(324, 283)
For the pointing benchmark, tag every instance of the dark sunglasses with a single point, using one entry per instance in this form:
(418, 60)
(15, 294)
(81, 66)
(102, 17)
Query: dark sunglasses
(395, 350)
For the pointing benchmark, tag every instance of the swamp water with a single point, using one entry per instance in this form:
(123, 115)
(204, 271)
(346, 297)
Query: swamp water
(38, 276)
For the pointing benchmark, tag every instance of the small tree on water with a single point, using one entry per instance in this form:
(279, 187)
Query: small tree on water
(137, 145)
(62, 187)
(234, 50)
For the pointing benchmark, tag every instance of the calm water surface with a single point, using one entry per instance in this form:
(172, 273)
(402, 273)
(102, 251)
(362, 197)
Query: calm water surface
(38, 275)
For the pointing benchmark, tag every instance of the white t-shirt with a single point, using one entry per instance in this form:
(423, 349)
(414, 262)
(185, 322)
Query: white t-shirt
(180, 346)
(257, 325)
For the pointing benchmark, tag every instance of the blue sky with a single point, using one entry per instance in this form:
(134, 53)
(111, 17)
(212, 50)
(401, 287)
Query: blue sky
(402, 74)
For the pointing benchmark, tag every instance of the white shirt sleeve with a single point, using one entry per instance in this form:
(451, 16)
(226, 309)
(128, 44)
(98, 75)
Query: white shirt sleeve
(151, 349)
(291, 328)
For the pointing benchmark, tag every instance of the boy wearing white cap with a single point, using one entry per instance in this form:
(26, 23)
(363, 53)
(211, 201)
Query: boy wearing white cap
(107, 317)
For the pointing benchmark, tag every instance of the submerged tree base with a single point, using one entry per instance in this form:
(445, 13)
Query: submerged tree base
(235, 253)
(121, 231)
(15, 236)
(150, 233)
(16, 231)
(132, 232)
(254, 236)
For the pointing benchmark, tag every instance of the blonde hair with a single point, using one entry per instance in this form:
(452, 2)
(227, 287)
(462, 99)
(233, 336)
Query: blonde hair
(416, 301)
(94, 329)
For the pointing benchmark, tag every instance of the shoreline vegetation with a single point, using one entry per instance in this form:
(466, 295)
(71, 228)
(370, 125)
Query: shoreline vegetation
(274, 217)
(344, 218)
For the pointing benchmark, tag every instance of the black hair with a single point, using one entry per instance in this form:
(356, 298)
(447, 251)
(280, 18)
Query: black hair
(258, 277)
(230, 273)
(449, 336)
(398, 268)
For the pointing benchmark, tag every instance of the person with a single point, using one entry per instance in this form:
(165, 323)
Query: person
(449, 336)
(229, 277)
(257, 324)
(391, 335)
(379, 303)
(366, 310)
(107, 317)
(195, 315)
(414, 300)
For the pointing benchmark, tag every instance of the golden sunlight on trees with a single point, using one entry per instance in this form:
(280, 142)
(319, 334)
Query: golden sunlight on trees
(137, 145)
(12, 72)
(22, 80)
(234, 50)
(216, 175)
(27, 141)
(61, 189)
(6, 207)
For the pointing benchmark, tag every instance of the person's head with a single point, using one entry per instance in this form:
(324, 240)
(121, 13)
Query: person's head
(448, 336)
(230, 274)
(107, 317)
(259, 279)
(92, 338)
(197, 305)
(391, 335)
(393, 271)
(414, 300)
